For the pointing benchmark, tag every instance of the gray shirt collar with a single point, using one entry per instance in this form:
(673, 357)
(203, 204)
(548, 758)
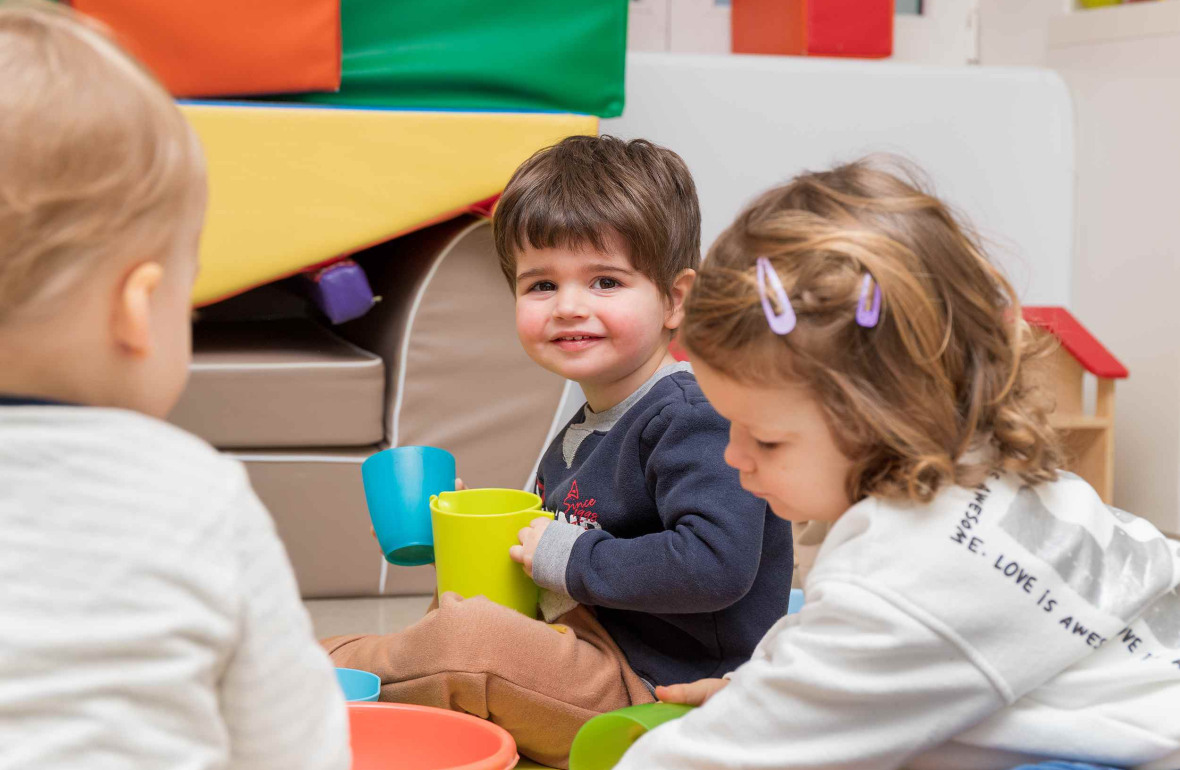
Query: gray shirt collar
(605, 420)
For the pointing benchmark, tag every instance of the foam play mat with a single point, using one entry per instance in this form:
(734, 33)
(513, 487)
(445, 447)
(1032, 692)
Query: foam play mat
(534, 55)
(227, 47)
(293, 187)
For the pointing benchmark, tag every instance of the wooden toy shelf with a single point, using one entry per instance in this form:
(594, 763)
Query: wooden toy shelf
(1086, 432)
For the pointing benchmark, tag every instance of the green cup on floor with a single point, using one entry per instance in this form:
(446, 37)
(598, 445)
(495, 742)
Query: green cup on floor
(602, 741)
(473, 530)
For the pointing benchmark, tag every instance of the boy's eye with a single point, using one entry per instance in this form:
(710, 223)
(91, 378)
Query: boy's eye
(767, 445)
(605, 283)
(543, 286)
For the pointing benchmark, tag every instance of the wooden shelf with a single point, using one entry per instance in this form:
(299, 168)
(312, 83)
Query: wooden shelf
(1079, 422)
(1117, 22)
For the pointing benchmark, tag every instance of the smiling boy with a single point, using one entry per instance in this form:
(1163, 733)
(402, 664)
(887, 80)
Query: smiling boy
(658, 567)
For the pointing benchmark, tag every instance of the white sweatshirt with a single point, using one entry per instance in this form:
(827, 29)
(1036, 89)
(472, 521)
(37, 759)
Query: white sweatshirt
(987, 628)
(149, 617)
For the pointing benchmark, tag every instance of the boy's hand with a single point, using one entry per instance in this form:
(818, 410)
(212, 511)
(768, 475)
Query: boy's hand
(530, 536)
(692, 693)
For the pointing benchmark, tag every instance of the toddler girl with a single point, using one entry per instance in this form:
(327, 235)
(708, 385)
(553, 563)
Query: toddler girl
(973, 606)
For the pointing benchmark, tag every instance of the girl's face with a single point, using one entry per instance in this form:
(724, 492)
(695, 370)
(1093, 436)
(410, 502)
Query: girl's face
(780, 443)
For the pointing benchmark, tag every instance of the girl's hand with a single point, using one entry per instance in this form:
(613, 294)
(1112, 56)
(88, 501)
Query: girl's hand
(692, 693)
(530, 536)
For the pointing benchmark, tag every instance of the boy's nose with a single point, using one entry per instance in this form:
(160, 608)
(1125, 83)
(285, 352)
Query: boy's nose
(569, 305)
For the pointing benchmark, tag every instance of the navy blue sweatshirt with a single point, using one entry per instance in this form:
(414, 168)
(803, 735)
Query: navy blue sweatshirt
(685, 569)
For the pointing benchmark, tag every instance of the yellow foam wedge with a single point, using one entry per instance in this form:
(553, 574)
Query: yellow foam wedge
(294, 187)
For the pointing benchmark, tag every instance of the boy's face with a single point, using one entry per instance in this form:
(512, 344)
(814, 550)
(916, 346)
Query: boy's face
(589, 316)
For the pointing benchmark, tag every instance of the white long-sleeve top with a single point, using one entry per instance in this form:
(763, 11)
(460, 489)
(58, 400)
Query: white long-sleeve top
(989, 627)
(149, 617)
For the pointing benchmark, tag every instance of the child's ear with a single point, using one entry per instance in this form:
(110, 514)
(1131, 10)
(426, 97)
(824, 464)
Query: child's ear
(676, 297)
(132, 318)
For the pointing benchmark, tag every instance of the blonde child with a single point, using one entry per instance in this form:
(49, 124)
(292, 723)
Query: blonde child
(148, 614)
(973, 606)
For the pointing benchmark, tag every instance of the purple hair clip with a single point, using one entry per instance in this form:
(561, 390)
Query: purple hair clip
(868, 315)
(783, 322)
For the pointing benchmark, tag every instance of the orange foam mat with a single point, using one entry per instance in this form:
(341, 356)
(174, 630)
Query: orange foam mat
(229, 47)
(294, 187)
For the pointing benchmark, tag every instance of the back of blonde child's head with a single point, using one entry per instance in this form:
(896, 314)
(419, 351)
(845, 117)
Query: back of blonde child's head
(96, 161)
(913, 399)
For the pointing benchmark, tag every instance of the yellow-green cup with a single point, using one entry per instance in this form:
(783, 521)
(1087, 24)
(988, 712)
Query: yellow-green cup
(473, 530)
(602, 741)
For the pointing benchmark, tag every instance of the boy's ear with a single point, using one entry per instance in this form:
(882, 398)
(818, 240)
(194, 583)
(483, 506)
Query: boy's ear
(132, 318)
(676, 297)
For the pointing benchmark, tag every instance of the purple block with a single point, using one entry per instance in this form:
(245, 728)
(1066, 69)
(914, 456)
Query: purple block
(341, 291)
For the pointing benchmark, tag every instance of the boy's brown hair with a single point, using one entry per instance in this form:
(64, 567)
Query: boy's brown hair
(936, 392)
(95, 158)
(585, 190)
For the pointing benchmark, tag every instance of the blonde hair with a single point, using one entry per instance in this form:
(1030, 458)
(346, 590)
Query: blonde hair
(942, 374)
(95, 158)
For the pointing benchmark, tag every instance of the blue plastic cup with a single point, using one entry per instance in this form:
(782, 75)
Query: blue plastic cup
(398, 485)
(795, 603)
(358, 685)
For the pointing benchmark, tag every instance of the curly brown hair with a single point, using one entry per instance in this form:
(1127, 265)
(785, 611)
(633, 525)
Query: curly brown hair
(941, 376)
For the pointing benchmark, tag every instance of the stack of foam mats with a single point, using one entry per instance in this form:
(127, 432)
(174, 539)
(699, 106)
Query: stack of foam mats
(292, 187)
(229, 47)
(534, 55)
(524, 55)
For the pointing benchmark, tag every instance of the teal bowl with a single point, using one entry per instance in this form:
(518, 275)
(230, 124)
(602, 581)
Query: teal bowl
(358, 685)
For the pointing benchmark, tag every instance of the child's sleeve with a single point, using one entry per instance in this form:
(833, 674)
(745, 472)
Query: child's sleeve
(853, 682)
(707, 556)
(280, 701)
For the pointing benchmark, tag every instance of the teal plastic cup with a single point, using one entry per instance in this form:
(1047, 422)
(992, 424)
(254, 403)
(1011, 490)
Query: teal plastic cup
(399, 483)
(358, 685)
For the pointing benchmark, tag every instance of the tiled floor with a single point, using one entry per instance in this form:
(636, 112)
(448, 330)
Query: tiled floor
(332, 617)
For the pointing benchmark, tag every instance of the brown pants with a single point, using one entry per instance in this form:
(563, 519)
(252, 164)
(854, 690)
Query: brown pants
(540, 682)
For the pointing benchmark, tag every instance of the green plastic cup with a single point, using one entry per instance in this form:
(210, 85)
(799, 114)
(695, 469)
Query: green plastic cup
(602, 741)
(473, 530)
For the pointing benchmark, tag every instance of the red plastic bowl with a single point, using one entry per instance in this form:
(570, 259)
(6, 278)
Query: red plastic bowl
(394, 736)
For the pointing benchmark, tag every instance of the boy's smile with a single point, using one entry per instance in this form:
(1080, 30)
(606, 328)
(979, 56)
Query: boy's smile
(593, 318)
(576, 341)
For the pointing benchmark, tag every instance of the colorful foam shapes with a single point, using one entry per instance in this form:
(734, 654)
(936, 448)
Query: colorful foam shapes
(230, 47)
(295, 187)
(544, 55)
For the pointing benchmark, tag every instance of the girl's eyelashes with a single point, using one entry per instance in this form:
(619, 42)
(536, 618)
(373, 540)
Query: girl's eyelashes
(604, 283)
(543, 286)
(767, 445)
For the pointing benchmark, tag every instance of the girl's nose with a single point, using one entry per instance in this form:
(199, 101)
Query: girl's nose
(736, 455)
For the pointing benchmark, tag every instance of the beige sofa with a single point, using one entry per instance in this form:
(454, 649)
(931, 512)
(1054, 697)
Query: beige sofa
(436, 362)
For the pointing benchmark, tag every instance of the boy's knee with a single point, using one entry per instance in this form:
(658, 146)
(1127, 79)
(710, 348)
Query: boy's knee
(479, 624)
(457, 617)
